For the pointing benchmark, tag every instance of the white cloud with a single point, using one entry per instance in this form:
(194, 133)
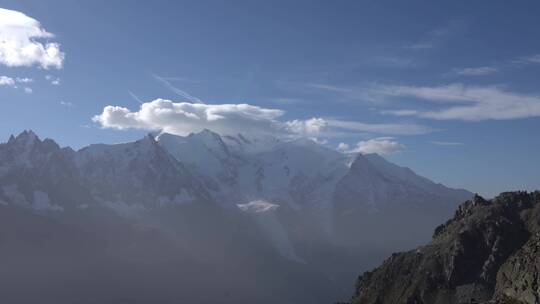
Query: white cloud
(343, 147)
(25, 43)
(531, 59)
(24, 80)
(313, 126)
(258, 207)
(479, 71)
(28, 90)
(12, 82)
(319, 140)
(52, 79)
(7, 81)
(471, 103)
(66, 103)
(381, 145)
(183, 117)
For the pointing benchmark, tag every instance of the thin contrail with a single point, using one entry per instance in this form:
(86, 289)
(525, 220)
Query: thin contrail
(176, 90)
(135, 97)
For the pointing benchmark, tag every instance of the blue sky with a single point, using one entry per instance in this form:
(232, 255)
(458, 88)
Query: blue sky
(449, 89)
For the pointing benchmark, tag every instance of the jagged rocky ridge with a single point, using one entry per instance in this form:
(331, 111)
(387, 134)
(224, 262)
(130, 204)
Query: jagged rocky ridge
(489, 252)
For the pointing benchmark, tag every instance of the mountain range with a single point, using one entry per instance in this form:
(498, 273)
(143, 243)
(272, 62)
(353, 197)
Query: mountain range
(203, 218)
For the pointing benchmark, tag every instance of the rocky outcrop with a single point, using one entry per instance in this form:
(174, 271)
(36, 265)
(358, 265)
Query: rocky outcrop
(489, 252)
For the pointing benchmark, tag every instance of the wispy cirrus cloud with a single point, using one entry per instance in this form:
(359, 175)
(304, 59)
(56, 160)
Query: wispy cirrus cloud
(446, 143)
(454, 101)
(24, 42)
(463, 102)
(393, 61)
(380, 128)
(436, 37)
(363, 93)
(478, 71)
(530, 59)
(515, 63)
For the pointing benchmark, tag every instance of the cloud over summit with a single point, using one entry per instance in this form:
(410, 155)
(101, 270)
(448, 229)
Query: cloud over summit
(381, 145)
(182, 118)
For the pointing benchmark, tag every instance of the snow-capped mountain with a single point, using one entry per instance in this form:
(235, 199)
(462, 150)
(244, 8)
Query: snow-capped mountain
(168, 169)
(385, 205)
(292, 207)
(40, 175)
(303, 175)
(376, 184)
(210, 160)
(132, 177)
(299, 173)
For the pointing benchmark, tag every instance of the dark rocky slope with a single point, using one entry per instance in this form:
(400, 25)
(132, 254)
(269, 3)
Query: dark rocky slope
(489, 252)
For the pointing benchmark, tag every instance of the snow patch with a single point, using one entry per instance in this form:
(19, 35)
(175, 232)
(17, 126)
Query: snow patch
(258, 206)
(262, 212)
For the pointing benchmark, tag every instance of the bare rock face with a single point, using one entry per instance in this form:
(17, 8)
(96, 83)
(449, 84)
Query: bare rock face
(489, 252)
(519, 277)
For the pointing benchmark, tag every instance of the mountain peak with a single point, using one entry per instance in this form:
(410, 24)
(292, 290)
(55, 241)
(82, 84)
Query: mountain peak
(207, 131)
(206, 134)
(211, 140)
(26, 137)
(150, 137)
(28, 140)
(359, 162)
(250, 144)
(305, 141)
